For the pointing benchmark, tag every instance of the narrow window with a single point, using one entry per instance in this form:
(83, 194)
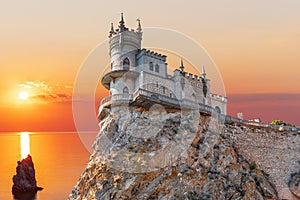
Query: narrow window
(218, 110)
(164, 90)
(157, 68)
(151, 66)
(126, 64)
(125, 90)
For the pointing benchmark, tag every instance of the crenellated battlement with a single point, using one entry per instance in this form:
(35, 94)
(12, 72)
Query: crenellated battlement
(152, 54)
(193, 77)
(219, 97)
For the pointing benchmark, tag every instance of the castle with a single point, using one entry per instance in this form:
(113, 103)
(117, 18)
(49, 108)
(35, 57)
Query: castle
(139, 77)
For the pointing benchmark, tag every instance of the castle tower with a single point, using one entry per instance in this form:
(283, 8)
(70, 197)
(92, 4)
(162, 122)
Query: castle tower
(124, 44)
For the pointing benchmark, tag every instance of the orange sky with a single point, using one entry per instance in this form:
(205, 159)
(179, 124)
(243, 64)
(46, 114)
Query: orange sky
(255, 44)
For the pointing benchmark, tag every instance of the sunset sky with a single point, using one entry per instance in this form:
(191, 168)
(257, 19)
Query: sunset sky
(255, 44)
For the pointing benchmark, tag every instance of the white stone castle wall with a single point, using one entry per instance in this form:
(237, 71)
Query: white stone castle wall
(118, 86)
(155, 83)
(144, 65)
(221, 104)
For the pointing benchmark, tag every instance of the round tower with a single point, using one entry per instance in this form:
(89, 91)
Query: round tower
(124, 44)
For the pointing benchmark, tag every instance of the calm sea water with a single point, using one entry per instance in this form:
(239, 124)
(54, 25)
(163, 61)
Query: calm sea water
(59, 159)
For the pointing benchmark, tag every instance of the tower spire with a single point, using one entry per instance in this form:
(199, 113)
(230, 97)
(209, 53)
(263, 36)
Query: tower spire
(122, 23)
(203, 72)
(139, 28)
(181, 65)
(112, 31)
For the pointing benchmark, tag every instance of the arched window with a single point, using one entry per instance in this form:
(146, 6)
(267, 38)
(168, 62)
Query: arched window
(151, 66)
(126, 64)
(218, 110)
(157, 68)
(125, 90)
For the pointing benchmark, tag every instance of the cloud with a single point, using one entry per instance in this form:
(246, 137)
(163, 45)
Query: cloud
(68, 86)
(47, 92)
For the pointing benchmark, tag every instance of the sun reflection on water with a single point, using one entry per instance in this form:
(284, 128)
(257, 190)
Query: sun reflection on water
(25, 144)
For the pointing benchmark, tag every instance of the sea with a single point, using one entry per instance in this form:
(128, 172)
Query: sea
(59, 159)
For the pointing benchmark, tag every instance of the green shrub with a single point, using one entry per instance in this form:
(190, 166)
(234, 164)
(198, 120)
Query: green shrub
(281, 123)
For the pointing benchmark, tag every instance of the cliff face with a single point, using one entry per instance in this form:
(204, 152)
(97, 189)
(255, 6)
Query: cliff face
(276, 152)
(155, 154)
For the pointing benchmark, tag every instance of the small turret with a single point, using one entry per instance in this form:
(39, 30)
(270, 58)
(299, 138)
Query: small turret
(139, 28)
(181, 66)
(112, 31)
(203, 72)
(122, 24)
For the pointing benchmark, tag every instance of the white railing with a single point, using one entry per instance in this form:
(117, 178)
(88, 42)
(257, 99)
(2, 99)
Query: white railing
(116, 98)
(105, 100)
(155, 95)
(128, 98)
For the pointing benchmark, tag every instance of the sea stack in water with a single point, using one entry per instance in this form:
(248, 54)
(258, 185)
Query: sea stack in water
(24, 180)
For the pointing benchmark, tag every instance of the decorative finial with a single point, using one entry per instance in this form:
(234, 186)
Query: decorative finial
(122, 23)
(112, 31)
(122, 19)
(181, 65)
(139, 28)
(203, 72)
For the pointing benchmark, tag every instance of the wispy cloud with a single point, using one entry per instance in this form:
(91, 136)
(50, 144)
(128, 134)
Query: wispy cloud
(47, 92)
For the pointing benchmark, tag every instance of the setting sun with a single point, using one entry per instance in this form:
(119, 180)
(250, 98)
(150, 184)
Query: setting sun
(23, 95)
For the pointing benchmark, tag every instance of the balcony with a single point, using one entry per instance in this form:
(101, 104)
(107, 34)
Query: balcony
(115, 99)
(147, 98)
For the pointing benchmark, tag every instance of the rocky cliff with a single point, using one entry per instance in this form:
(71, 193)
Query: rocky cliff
(159, 154)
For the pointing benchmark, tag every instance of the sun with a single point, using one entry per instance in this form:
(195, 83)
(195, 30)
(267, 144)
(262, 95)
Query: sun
(23, 95)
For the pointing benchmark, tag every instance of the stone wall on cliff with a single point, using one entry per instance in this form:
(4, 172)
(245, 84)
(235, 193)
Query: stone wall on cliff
(276, 152)
(158, 154)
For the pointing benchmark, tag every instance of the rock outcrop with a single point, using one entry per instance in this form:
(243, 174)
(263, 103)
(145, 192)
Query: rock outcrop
(24, 181)
(155, 154)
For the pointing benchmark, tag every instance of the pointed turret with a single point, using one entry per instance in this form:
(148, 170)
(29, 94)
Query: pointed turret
(139, 28)
(203, 72)
(181, 65)
(122, 24)
(112, 31)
